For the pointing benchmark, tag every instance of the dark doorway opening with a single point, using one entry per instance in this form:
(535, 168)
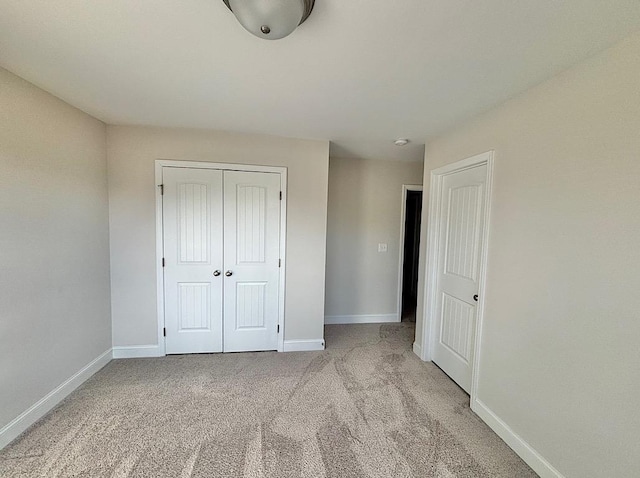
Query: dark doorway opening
(413, 213)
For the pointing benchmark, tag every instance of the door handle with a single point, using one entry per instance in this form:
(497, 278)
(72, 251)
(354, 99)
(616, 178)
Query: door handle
(216, 273)
(228, 273)
(475, 297)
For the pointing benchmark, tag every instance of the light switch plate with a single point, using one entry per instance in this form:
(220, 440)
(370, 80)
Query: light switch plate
(382, 247)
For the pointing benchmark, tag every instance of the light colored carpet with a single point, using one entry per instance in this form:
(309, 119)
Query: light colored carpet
(365, 407)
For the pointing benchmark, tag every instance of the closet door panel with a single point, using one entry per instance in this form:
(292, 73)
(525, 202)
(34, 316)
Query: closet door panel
(192, 221)
(251, 260)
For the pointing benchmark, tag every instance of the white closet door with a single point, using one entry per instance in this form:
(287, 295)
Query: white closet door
(251, 260)
(461, 232)
(192, 218)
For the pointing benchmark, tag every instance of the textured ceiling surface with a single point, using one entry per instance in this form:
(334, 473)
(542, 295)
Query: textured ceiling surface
(359, 73)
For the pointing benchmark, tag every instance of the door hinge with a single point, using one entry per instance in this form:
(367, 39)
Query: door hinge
(163, 262)
(279, 262)
(278, 328)
(161, 186)
(280, 195)
(164, 332)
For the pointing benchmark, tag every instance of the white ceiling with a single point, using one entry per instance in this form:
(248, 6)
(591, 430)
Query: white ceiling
(360, 73)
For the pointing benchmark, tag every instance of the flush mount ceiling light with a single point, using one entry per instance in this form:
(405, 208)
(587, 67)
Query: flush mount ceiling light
(401, 142)
(270, 19)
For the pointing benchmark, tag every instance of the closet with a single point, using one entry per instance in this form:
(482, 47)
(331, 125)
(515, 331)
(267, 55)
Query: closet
(221, 259)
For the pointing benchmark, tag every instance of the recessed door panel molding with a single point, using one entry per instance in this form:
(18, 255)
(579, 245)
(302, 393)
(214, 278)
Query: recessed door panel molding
(250, 305)
(194, 311)
(461, 256)
(456, 330)
(193, 223)
(456, 265)
(221, 257)
(251, 203)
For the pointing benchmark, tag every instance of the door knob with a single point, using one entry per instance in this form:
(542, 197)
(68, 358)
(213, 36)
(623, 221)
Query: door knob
(228, 273)
(216, 273)
(475, 297)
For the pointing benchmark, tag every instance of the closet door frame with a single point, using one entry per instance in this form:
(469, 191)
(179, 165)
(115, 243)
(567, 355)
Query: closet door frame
(162, 163)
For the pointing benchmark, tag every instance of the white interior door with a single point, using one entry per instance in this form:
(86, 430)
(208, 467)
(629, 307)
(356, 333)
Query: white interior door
(192, 220)
(251, 260)
(461, 227)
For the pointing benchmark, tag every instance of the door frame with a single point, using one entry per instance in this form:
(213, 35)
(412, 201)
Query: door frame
(403, 214)
(433, 248)
(162, 163)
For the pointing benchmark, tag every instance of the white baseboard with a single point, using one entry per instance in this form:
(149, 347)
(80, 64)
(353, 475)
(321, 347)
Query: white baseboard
(417, 350)
(34, 413)
(530, 456)
(136, 351)
(360, 319)
(303, 345)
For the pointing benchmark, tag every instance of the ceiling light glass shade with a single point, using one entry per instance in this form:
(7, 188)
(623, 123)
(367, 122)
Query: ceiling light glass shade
(270, 19)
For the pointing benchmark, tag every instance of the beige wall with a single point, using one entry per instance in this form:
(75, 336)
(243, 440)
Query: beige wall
(560, 356)
(365, 198)
(54, 250)
(132, 152)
